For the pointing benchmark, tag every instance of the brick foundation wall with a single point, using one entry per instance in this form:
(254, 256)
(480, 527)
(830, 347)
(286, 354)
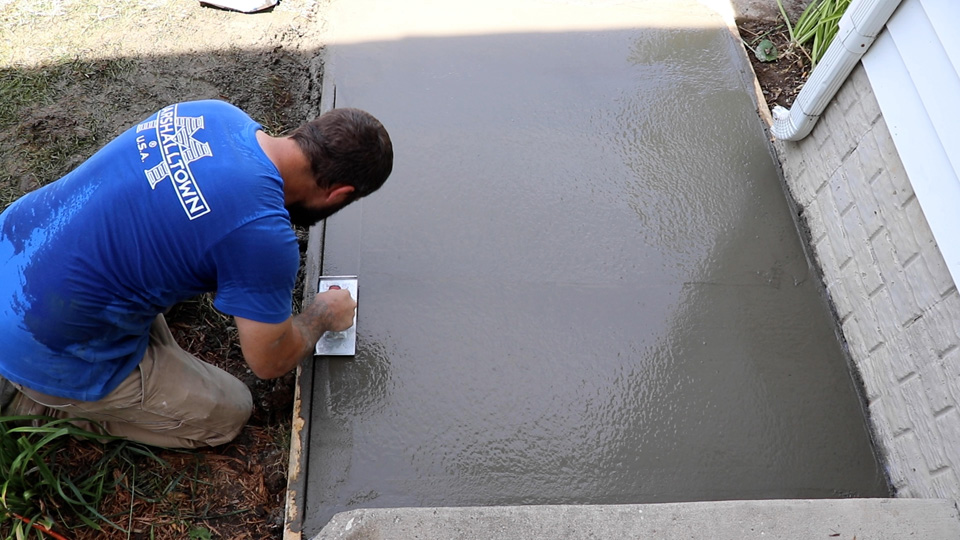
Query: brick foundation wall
(897, 305)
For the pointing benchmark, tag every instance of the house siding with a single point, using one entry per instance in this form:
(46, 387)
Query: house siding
(897, 307)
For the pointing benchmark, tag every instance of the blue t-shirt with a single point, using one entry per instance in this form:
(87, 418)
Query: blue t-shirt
(183, 203)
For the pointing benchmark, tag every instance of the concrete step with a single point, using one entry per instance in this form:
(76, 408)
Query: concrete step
(844, 519)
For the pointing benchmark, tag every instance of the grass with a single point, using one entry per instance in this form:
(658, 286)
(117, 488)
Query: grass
(22, 87)
(19, 88)
(59, 481)
(42, 492)
(816, 27)
(44, 146)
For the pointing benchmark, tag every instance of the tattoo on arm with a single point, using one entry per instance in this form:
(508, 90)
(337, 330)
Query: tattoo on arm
(312, 323)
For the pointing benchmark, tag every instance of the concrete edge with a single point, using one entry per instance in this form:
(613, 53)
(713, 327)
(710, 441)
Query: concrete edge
(778, 150)
(295, 497)
(843, 519)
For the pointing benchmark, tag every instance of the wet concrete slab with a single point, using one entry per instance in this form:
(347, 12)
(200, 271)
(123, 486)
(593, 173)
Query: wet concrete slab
(582, 283)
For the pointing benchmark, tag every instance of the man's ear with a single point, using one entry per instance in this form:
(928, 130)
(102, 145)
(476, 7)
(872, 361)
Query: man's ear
(339, 194)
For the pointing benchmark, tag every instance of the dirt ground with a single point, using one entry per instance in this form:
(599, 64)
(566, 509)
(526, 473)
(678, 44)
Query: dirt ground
(781, 79)
(756, 20)
(75, 73)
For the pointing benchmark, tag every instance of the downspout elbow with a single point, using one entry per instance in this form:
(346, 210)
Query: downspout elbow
(858, 28)
(791, 124)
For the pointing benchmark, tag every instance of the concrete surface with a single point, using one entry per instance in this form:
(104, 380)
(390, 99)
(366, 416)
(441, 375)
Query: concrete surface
(851, 519)
(897, 304)
(572, 292)
(880, 266)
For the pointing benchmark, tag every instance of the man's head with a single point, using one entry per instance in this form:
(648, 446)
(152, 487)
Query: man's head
(347, 146)
(350, 155)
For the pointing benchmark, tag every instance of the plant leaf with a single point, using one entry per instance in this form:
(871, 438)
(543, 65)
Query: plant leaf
(766, 51)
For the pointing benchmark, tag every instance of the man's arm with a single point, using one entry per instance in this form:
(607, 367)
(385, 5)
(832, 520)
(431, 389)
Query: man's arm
(272, 350)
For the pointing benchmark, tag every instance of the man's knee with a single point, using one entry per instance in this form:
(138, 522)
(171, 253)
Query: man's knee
(235, 416)
(216, 420)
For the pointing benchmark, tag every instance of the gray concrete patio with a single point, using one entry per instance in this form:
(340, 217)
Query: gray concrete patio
(582, 284)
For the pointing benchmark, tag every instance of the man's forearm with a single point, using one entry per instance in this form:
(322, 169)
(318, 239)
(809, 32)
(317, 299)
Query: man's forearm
(311, 324)
(272, 350)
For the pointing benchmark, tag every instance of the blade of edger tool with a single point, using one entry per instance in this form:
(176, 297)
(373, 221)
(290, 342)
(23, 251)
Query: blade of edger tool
(339, 343)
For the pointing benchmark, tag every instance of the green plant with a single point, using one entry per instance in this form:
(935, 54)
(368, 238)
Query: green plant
(200, 533)
(38, 492)
(766, 51)
(817, 25)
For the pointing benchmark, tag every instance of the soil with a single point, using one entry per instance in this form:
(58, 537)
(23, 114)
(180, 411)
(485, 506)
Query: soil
(74, 74)
(781, 79)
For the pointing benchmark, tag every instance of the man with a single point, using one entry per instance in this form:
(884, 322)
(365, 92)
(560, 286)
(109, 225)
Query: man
(196, 198)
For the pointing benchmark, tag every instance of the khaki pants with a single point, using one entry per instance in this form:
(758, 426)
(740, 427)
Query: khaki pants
(172, 399)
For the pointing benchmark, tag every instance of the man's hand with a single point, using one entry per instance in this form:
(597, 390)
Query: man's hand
(334, 313)
(272, 350)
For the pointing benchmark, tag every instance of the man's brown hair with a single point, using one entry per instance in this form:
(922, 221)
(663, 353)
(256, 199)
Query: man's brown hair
(347, 146)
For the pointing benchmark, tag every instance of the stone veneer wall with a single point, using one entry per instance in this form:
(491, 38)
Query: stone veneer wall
(897, 305)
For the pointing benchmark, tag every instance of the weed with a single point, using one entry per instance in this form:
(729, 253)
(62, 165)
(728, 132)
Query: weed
(41, 492)
(817, 25)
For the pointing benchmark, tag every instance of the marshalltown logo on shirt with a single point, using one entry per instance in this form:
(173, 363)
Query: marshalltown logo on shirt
(172, 136)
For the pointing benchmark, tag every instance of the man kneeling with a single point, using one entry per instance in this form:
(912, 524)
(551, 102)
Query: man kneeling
(196, 198)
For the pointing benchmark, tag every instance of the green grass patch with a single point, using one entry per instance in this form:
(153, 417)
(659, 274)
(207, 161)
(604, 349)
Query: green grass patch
(42, 492)
(43, 133)
(30, 87)
(22, 87)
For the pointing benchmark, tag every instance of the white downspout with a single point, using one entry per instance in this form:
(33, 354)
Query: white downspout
(859, 26)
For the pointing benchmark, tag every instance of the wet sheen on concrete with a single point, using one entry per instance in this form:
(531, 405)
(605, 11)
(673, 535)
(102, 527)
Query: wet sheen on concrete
(582, 283)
